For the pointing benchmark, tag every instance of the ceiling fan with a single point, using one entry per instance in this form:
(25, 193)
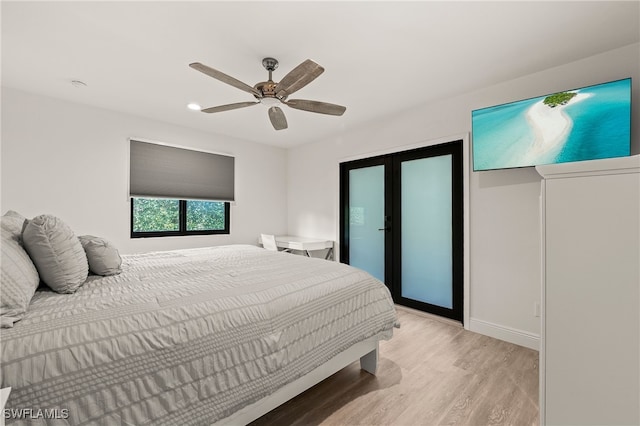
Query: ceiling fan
(273, 94)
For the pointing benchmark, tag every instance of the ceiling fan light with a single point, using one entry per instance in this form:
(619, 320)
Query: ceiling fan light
(269, 101)
(194, 106)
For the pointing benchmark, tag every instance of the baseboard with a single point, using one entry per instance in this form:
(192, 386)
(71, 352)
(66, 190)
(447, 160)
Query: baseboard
(508, 334)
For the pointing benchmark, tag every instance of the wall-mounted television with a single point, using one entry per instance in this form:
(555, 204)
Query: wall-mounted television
(575, 125)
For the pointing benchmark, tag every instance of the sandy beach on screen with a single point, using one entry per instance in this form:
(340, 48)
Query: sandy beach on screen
(551, 126)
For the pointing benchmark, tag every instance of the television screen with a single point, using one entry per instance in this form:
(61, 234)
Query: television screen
(575, 125)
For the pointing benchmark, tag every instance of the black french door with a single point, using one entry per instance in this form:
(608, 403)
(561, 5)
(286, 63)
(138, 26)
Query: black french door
(401, 219)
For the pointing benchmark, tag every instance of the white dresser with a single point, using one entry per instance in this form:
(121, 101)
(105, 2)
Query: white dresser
(590, 346)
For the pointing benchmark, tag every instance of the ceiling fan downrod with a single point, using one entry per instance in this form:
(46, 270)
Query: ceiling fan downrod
(270, 65)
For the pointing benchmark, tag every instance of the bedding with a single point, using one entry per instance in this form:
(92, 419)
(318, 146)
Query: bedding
(186, 336)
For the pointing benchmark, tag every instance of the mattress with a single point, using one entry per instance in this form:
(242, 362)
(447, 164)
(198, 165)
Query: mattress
(185, 336)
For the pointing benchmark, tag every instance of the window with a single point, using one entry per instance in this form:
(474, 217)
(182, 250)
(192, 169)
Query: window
(159, 217)
(165, 181)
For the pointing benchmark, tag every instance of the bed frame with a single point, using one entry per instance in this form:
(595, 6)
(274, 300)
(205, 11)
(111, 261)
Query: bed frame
(366, 351)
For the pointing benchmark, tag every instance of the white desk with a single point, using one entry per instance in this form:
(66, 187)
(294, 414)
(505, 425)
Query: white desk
(305, 245)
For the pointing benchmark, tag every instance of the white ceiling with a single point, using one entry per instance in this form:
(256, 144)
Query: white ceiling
(381, 58)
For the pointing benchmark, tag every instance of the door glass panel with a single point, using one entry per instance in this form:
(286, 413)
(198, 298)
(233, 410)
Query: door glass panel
(366, 218)
(427, 257)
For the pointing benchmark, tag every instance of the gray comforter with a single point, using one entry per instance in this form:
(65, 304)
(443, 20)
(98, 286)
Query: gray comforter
(186, 336)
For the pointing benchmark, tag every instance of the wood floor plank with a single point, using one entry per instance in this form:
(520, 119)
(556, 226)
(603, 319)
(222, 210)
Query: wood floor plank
(430, 373)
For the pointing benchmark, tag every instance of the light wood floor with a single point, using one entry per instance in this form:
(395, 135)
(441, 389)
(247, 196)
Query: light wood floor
(430, 373)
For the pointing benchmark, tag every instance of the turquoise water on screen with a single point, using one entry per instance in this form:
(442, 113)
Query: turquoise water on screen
(502, 136)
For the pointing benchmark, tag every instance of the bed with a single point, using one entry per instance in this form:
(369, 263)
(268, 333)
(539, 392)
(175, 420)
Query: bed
(217, 335)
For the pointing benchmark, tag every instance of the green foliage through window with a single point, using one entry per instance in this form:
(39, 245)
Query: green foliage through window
(154, 217)
(205, 215)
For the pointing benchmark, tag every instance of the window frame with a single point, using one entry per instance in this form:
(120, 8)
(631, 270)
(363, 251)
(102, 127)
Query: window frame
(182, 218)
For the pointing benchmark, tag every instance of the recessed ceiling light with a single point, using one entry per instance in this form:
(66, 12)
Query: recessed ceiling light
(194, 107)
(78, 83)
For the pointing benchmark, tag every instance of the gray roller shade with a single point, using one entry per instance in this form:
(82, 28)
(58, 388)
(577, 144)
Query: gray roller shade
(160, 171)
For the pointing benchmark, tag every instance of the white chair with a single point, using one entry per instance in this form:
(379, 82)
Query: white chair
(269, 242)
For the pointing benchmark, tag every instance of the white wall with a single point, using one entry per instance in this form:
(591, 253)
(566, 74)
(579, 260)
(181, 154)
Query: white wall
(71, 160)
(504, 215)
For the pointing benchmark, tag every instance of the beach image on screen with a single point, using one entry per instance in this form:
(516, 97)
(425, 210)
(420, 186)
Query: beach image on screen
(583, 124)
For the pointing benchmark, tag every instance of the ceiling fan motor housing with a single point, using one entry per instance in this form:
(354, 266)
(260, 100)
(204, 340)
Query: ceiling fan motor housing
(268, 88)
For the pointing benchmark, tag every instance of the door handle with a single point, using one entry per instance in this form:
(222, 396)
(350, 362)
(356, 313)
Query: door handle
(387, 223)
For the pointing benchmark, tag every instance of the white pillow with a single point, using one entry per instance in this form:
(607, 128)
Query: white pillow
(103, 257)
(56, 252)
(19, 276)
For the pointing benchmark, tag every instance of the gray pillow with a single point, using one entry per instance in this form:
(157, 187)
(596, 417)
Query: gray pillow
(56, 252)
(103, 257)
(19, 275)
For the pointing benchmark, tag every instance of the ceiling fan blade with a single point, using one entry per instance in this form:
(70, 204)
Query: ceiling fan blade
(316, 106)
(229, 107)
(278, 120)
(298, 77)
(225, 78)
